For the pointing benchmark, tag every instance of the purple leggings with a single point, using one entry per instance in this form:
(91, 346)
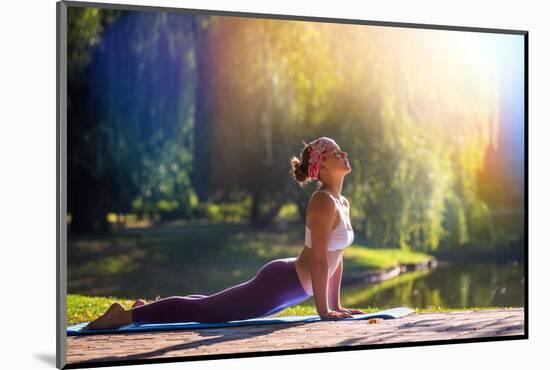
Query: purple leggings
(275, 287)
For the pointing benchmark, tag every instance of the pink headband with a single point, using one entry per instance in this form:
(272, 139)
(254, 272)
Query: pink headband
(317, 154)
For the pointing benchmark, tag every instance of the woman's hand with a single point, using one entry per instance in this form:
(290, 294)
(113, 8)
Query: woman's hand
(350, 311)
(334, 315)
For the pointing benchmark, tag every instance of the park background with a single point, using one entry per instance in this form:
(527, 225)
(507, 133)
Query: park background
(181, 128)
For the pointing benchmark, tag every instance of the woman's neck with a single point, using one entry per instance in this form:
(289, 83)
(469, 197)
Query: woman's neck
(335, 190)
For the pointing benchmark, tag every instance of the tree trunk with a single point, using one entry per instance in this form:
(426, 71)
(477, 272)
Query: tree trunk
(202, 150)
(88, 211)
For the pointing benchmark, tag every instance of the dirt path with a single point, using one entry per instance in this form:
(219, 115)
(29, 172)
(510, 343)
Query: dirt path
(412, 328)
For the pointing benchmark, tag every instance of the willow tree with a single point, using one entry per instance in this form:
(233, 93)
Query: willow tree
(132, 149)
(85, 29)
(273, 81)
(424, 112)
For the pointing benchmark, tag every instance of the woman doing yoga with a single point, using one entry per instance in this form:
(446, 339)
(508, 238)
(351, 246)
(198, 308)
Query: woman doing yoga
(281, 283)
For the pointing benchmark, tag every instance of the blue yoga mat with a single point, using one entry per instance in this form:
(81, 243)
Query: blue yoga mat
(392, 313)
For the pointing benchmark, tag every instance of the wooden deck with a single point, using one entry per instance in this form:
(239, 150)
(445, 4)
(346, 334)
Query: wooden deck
(412, 328)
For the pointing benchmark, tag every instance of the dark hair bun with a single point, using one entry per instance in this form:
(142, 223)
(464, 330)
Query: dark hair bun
(299, 167)
(298, 170)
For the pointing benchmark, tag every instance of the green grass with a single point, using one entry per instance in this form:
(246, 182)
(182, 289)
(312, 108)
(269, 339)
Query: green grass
(83, 308)
(358, 258)
(310, 310)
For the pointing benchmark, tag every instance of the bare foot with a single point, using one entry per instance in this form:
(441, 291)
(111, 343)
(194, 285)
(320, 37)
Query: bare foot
(139, 303)
(115, 317)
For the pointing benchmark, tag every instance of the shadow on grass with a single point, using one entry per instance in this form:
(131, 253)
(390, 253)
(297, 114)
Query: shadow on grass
(173, 260)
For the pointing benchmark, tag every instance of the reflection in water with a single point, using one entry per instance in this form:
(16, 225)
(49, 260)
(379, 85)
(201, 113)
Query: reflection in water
(447, 286)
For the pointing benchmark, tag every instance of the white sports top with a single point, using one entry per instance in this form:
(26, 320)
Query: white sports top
(340, 237)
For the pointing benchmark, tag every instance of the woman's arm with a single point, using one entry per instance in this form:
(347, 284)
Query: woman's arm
(335, 280)
(334, 291)
(334, 286)
(322, 214)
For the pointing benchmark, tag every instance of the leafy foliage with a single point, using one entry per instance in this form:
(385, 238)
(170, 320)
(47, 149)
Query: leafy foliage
(175, 114)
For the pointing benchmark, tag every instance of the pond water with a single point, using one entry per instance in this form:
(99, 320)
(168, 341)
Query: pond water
(446, 286)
